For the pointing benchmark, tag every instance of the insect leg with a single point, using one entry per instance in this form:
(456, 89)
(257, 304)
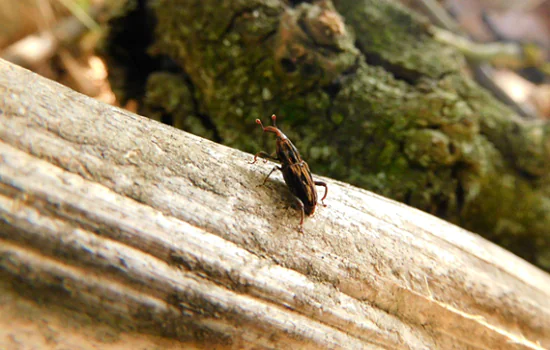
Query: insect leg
(301, 207)
(271, 172)
(263, 155)
(321, 183)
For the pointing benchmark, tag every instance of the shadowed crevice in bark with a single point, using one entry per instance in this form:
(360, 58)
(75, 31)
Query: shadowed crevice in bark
(398, 72)
(205, 119)
(131, 32)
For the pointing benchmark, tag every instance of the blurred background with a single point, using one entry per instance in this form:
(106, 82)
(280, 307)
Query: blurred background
(59, 39)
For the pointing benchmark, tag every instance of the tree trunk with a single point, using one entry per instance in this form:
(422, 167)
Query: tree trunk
(117, 230)
(364, 90)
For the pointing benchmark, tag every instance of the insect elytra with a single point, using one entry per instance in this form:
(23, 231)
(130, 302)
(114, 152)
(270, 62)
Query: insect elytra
(295, 171)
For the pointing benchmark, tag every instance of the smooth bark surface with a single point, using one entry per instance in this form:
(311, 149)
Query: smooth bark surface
(117, 221)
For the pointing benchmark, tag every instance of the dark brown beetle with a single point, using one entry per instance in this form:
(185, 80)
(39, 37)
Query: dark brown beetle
(295, 171)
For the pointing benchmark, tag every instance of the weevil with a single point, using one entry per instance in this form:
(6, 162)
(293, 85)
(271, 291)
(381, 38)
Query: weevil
(295, 171)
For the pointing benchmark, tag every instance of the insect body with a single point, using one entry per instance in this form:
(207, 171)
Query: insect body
(295, 171)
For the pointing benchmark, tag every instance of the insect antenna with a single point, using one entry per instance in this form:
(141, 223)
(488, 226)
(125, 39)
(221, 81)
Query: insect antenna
(274, 120)
(270, 128)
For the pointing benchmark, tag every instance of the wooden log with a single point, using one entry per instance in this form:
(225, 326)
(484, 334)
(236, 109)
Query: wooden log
(109, 220)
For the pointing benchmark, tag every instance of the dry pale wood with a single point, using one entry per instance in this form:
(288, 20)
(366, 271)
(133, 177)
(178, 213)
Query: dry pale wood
(155, 232)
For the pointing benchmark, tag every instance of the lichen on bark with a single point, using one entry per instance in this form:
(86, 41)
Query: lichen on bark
(366, 94)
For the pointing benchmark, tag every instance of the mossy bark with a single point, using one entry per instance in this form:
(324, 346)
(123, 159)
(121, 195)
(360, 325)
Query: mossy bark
(363, 91)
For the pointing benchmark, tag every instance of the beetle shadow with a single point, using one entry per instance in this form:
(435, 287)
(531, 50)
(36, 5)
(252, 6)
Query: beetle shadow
(280, 194)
